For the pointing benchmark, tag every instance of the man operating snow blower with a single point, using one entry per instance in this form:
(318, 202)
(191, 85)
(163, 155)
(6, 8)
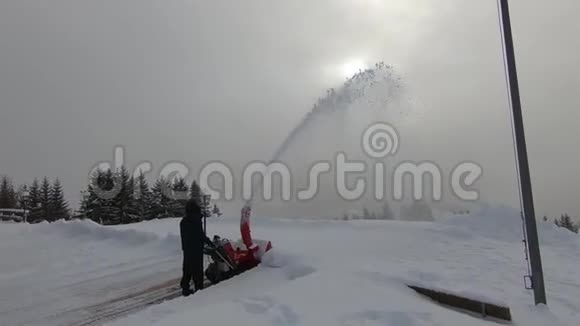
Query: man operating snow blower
(228, 259)
(193, 239)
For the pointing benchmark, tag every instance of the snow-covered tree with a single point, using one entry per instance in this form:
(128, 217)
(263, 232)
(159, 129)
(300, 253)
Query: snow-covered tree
(161, 203)
(100, 204)
(124, 202)
(179, 191)
(7, 194)
(566, 222)
(111, 198)
(216, 211)
(20, 197)
(58, 205)
(91, 203)
(45, 199)
(34, 196)
(143, 198)
(195, 192)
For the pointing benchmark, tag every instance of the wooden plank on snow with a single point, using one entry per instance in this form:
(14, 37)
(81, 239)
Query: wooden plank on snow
(484, 309)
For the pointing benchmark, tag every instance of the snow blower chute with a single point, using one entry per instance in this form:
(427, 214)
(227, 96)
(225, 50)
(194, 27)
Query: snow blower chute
(232, 258)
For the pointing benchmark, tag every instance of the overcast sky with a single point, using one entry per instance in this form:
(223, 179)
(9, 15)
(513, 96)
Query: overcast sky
(196, 81)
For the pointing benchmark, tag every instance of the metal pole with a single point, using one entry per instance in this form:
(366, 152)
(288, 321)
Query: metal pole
(526, 184)
(205, 200)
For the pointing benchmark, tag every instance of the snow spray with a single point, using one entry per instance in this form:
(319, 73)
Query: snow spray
(376, 86)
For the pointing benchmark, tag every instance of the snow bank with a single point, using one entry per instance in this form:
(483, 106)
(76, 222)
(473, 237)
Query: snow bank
(500, 223)
(90, 231)
(505, 223)
(292, 265)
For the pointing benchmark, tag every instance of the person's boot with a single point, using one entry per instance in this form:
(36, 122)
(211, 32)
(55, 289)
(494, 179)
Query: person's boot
(186, 292)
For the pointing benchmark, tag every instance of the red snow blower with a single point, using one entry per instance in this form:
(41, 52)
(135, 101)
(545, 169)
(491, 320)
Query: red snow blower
(233, 258)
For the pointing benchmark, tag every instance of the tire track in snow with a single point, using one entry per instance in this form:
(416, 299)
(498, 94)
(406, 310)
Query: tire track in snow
(122, 306)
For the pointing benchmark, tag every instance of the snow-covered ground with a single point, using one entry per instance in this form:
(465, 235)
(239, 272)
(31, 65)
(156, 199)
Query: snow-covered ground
(320, 272)
(48, 272)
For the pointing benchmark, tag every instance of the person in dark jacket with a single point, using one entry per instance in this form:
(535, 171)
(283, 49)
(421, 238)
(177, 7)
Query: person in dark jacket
(192, 242)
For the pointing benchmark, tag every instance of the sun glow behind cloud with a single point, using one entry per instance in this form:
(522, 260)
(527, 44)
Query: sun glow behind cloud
(351, 67)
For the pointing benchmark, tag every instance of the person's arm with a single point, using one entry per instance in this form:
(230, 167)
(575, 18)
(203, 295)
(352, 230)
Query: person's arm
(201, 235)
(207, 240)
(204, 237)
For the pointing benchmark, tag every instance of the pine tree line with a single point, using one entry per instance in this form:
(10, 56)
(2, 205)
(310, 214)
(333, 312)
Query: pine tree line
(45, 201)
(384, 214)
(8, 197)
(418, 210)
(118, 198)
(566, 222)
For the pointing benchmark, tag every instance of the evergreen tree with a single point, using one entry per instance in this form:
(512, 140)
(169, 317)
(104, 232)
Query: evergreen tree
(7, 194)
(180, 189)
(195, 192)
(34, 197)
(45, 200)
(124, 202)
(566, 222)
(20, 197)
(109, 204)
(4, 192)
(90, 203)
(34, 202)
(216, 211)
(178, 200)
(160, 199)
(132, 211)
(143, 198)
(84, 206)
(12, 197)
(58, 205)
(106, 188)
